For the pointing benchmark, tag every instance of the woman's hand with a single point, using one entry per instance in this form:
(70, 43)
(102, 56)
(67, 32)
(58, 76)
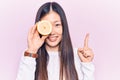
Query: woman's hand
(85, 53)
(34, 40)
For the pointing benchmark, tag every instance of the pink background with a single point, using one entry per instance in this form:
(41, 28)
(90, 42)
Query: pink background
(101, 18)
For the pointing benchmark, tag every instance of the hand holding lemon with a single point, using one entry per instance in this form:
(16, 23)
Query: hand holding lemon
(44, 28)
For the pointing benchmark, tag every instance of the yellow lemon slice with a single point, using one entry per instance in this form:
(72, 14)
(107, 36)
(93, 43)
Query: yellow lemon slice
(44, 27)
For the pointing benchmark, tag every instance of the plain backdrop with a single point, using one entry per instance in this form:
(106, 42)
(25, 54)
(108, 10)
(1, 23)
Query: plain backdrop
(100, 18)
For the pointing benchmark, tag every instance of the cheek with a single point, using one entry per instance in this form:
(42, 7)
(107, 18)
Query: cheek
(60, 31)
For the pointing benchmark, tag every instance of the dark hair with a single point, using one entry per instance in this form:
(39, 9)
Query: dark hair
(67, 66)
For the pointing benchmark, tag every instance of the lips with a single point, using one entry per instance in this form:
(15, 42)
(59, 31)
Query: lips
(52, 38)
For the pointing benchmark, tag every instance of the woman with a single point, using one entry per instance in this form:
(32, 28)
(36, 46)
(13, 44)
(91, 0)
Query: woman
(56, 59)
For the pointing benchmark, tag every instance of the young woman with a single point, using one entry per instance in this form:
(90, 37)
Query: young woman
(52, 57)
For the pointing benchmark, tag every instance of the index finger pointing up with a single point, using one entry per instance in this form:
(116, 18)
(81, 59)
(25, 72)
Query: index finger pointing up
(86, 40)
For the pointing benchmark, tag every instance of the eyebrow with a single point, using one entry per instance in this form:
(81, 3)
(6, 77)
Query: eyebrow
(57, 21)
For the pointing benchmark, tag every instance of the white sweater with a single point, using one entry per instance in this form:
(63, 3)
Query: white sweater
(28, 64)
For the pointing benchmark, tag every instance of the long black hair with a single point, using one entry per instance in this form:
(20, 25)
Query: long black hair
(66, 55)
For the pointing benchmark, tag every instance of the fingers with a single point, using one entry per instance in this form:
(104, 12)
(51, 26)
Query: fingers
(86, 40)
(80, 53)
(88, 53)
(85, 55)
(44, 37)
(34, 29)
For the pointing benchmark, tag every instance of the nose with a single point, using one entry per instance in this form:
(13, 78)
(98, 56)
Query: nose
(53, 30)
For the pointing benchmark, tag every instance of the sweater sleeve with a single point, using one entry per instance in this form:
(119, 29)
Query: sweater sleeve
(87, 70)
(26, 69)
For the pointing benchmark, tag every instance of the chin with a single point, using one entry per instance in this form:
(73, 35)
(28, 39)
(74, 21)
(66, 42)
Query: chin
(53, 44)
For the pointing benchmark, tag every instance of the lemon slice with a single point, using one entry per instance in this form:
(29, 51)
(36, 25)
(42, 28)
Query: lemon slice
(44, 27)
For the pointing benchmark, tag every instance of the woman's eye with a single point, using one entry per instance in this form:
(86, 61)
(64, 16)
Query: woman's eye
(57, 25)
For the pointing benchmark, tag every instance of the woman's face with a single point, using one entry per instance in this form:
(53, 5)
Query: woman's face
(53, 40)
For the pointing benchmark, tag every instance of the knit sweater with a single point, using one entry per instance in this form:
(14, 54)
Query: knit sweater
(27, 67)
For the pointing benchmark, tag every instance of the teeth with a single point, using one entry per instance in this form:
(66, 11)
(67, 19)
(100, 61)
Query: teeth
(52, 39)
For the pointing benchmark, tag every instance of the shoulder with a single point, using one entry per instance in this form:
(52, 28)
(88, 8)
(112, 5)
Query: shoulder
(75, 50)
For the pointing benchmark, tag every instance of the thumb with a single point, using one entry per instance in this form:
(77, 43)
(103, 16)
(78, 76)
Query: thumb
(44, 37)
(81, 54)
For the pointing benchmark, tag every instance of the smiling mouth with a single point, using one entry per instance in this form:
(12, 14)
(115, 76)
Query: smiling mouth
(52, 38)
